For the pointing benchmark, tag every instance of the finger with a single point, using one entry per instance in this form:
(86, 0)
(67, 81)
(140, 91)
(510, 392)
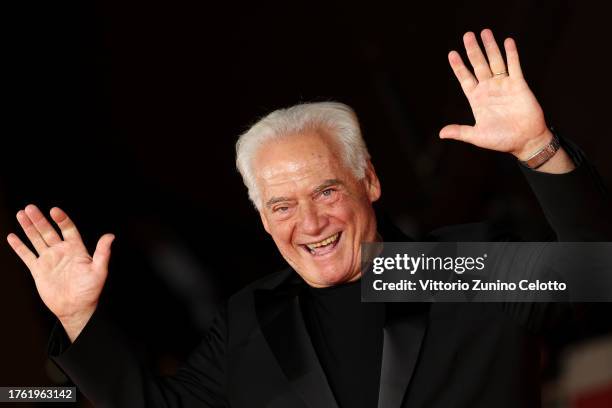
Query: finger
(514, 65)
(31, 232)
(23, 252)
(457, 132)
(476, 57)
(45, 229)
(496, 60)
(464, 75)
(69, 230)
(102, 253)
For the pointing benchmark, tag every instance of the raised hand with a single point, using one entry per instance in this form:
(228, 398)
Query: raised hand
(69, 280)
(508, 118)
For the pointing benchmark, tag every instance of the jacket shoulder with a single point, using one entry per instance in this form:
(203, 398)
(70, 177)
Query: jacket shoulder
(269, 281)
(242, 320)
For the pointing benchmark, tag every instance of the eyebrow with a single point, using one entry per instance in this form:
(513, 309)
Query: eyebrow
(275, 200)
(326, 184)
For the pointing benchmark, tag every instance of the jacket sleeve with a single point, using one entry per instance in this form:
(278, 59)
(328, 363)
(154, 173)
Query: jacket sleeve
(577, 207)
(104, 368)
(576, 204)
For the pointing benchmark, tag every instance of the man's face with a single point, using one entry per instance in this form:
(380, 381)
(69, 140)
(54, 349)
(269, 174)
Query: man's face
(314, 208)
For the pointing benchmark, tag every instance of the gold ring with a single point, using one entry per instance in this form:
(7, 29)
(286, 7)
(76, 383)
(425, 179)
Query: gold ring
(501, 73)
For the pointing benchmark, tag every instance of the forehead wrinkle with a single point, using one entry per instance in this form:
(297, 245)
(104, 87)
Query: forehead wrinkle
(297, 171)
(287, 183)
(285, 167)
(292, 153)
(294, 163)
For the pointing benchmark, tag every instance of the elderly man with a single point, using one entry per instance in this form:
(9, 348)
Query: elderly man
(301, 337)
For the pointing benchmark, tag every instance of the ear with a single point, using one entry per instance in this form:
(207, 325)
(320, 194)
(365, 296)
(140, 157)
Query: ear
(264, 221)
(372, 183)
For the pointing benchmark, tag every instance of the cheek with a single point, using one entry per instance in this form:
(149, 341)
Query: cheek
(282, 233)
(344, 210)
(355, 218)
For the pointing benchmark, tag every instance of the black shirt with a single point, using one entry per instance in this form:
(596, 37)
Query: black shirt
(348, 338)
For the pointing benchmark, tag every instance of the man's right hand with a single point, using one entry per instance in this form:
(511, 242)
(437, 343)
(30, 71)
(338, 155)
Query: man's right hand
(69, 280)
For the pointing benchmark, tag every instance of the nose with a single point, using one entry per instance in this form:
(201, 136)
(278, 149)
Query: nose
(311, 219)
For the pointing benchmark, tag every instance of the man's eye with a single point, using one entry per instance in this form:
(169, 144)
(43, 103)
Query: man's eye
(328, 192)
(281, 209)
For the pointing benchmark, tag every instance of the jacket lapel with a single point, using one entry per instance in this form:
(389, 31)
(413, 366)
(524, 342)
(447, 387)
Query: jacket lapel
(404, 330)
(403, 336)
(282, 324)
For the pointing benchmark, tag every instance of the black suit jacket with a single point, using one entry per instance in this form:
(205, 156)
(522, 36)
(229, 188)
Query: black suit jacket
(258, 352)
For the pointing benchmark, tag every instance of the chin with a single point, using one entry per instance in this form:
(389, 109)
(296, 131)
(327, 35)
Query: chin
(331, 276)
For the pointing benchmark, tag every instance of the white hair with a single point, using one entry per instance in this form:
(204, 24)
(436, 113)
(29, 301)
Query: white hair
(331, 118)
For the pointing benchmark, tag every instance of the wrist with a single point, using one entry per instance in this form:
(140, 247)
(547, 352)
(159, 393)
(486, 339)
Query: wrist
(534, 145)
(74, 323)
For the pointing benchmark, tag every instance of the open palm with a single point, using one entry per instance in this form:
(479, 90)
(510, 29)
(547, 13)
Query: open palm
(508, 118)
(68, 279)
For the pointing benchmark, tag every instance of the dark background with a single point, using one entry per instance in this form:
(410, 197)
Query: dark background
(125, 114)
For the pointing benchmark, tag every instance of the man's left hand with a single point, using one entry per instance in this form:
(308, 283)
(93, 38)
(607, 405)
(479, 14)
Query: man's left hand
(508, 116)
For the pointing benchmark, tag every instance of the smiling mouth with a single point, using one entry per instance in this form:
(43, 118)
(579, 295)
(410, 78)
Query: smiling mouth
(324, 246)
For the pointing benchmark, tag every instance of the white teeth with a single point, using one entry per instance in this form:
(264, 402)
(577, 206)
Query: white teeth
(326, 241)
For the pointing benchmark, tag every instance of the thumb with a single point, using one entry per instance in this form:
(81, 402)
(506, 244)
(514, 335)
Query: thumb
(457, 132)
(103, 250)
